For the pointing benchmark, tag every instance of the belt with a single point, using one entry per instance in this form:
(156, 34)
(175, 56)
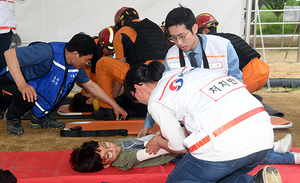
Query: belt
(225, 127)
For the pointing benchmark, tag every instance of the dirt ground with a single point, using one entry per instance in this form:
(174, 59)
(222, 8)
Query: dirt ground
(285, 100)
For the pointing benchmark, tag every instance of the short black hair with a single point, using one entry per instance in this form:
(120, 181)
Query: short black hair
(83, 44)
(85, 158)
(181, 16)
(78, 104)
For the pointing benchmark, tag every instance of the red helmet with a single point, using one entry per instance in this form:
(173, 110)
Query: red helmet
(206, 20)
(106, 36)
(123, 14)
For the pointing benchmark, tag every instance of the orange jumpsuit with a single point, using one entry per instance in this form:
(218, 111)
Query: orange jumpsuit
(110, 69)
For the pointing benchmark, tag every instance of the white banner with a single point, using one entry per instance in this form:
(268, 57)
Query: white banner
(59, 20)
(292, 16)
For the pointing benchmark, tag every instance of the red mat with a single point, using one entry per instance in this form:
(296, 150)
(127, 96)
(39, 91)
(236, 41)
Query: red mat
(53, 166)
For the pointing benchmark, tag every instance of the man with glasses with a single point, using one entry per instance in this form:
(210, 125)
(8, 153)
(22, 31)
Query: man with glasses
(123, 154)
(192, 50)
(210, 52)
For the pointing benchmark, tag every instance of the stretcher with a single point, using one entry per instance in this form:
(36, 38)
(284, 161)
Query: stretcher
(64, 111)
(280, 123)
(53, 166)
(133, 126)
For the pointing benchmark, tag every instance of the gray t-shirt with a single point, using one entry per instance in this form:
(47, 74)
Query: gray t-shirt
(128, 159)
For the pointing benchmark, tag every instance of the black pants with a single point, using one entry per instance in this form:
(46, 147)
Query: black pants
(12, 99)
(5, 41)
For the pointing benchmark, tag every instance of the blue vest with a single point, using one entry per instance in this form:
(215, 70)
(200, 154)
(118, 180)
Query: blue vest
(55, 84)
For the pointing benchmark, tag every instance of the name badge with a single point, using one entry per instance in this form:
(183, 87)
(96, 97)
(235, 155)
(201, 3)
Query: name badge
(174, 65)
(216, 65)
(221, 86)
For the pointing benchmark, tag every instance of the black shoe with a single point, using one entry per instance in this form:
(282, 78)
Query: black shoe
(46, 122)
(268, 174)
(14, 126)
(104, 114)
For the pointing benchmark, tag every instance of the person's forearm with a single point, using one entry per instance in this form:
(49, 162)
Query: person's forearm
(163, 143)
(14, 66)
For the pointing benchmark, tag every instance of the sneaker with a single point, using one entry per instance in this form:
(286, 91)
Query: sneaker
(104, 114)
(296, 157)
(268, 174)
(14, 126)
(283, 145)
(46, 122)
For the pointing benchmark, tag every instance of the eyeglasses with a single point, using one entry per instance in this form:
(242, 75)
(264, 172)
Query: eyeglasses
(176, 38)
(108, 154)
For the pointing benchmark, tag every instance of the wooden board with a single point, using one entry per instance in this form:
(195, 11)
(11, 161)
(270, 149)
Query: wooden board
(133, 126)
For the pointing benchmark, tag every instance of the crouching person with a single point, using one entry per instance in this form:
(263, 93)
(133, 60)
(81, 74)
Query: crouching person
(228, 131)
(39, 76)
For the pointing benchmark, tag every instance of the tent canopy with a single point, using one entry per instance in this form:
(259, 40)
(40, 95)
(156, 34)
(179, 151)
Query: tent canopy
(58, 20)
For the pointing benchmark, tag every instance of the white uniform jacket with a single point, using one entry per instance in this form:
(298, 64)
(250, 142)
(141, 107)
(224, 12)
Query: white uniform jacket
(7, 21)
(216, 53)
(224, 120)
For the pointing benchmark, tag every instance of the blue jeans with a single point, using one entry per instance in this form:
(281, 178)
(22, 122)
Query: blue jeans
(191, 169)
(279, 158)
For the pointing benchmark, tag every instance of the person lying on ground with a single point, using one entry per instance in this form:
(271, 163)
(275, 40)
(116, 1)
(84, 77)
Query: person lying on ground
(123, 154)
(129, 153)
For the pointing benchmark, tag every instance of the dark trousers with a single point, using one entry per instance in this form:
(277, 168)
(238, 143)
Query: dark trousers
(11, 99)
(5, 41)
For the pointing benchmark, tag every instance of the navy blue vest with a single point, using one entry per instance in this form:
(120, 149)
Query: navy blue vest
(55, 84)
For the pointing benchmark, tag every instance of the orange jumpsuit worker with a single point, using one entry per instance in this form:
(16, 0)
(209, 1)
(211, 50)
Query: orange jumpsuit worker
(136, 41)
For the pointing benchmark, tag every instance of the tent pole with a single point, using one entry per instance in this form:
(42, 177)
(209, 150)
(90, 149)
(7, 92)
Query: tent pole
(248, 21)
(262, 39)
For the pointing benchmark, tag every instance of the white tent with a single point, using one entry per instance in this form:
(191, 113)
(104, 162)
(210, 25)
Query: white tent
(59, 20)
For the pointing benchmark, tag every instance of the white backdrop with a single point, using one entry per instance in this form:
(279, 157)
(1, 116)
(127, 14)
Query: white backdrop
(59, 20)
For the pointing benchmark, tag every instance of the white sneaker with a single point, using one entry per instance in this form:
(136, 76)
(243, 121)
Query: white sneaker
(283, 145)
(296, 157)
